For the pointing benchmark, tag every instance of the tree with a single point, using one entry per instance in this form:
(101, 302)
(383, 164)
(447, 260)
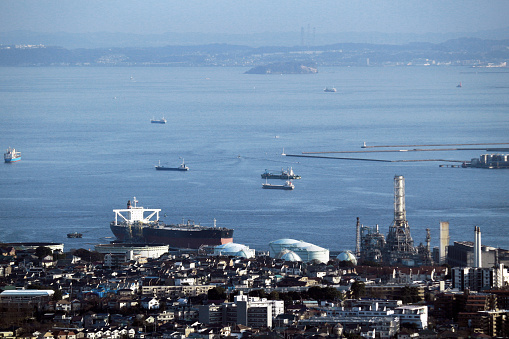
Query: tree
(216, 293)
(274, 295)
(358, 289)
(325, 293)
(345, 264)
(410, 295)
(57, 295)
(258, 293)
(43, 251)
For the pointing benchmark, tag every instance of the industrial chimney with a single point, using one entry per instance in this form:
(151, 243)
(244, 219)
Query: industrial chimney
(477, 247)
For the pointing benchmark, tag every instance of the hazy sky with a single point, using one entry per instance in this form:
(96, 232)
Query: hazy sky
(238, 16)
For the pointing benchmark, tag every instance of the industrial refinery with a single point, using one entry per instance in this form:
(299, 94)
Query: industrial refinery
(398, 247)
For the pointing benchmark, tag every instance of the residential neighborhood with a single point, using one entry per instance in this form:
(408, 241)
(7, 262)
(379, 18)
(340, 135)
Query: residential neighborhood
(195, 294)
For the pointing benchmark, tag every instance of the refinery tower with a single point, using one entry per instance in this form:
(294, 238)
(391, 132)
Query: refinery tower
(399, 244)
(398, 247)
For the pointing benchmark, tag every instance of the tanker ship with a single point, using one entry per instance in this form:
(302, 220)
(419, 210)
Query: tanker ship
(136, 224)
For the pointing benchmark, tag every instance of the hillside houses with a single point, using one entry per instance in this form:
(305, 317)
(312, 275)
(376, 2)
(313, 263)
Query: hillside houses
(172, 297)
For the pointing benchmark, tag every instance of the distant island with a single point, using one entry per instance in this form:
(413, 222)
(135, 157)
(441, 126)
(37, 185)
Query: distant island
(283, 68)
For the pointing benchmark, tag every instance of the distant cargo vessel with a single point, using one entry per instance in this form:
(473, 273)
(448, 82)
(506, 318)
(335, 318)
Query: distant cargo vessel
(488, 161)
(182, 167)
(136, 224)
(158, 121)
(11, 155)
(288, 185)
(288, 174)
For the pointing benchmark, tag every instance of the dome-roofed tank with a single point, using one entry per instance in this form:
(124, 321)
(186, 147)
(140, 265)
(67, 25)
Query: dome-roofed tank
(288, 255)
(276, 246)
(306, 251)
(234, 249)
(347, 256)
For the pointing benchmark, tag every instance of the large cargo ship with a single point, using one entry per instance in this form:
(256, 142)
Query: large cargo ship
(136, 224)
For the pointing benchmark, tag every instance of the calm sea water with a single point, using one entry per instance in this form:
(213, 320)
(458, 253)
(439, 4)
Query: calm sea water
(88, 146)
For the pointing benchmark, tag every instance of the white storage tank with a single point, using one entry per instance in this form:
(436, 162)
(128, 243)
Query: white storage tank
(309, 252)
(275, 247)
(234, 249)
(306, 251)
(347, 256)
(288, 255)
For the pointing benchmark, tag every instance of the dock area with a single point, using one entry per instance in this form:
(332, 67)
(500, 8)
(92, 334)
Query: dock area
(366, 159)
(449, 147)
(435, 145)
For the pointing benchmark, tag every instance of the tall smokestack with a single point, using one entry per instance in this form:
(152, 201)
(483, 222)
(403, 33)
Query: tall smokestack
(399, 200)
(477, 247)
(358, 239)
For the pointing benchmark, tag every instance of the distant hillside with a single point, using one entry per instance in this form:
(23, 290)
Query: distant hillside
(109, 40)
(474, 52)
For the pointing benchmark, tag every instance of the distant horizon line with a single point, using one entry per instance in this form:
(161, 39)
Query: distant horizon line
(258, 39)
(256, 33)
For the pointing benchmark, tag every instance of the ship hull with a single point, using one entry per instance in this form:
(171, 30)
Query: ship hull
(279, 176)
(12, 159)
(161, 168)
(180, 238)
(277, 187)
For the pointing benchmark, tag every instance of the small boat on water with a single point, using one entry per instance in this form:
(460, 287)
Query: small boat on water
(11, 155)
(459, 85)
(288, 185)
(330, 89)
(74, 235)
(182, 167)
(288, 174)
(158, 121)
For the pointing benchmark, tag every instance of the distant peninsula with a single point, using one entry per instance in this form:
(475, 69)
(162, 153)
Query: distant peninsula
(265, 60)
(283, 68)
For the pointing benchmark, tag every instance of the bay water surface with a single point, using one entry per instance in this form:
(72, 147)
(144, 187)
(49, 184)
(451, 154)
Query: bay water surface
(88, 146)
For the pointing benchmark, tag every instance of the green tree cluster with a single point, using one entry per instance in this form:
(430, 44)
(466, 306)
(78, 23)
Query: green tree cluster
(216, 293)
(313, 293)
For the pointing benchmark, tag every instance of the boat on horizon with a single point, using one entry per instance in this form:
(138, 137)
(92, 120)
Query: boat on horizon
(288, 185)
(288, 174)
(158, 121)
(329, 89)
(74, 235)
(136, 224)
(459, 85)
(182, 167)
(11, 155)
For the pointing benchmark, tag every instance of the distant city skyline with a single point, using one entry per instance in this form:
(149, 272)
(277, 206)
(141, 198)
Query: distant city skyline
(243, 17)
